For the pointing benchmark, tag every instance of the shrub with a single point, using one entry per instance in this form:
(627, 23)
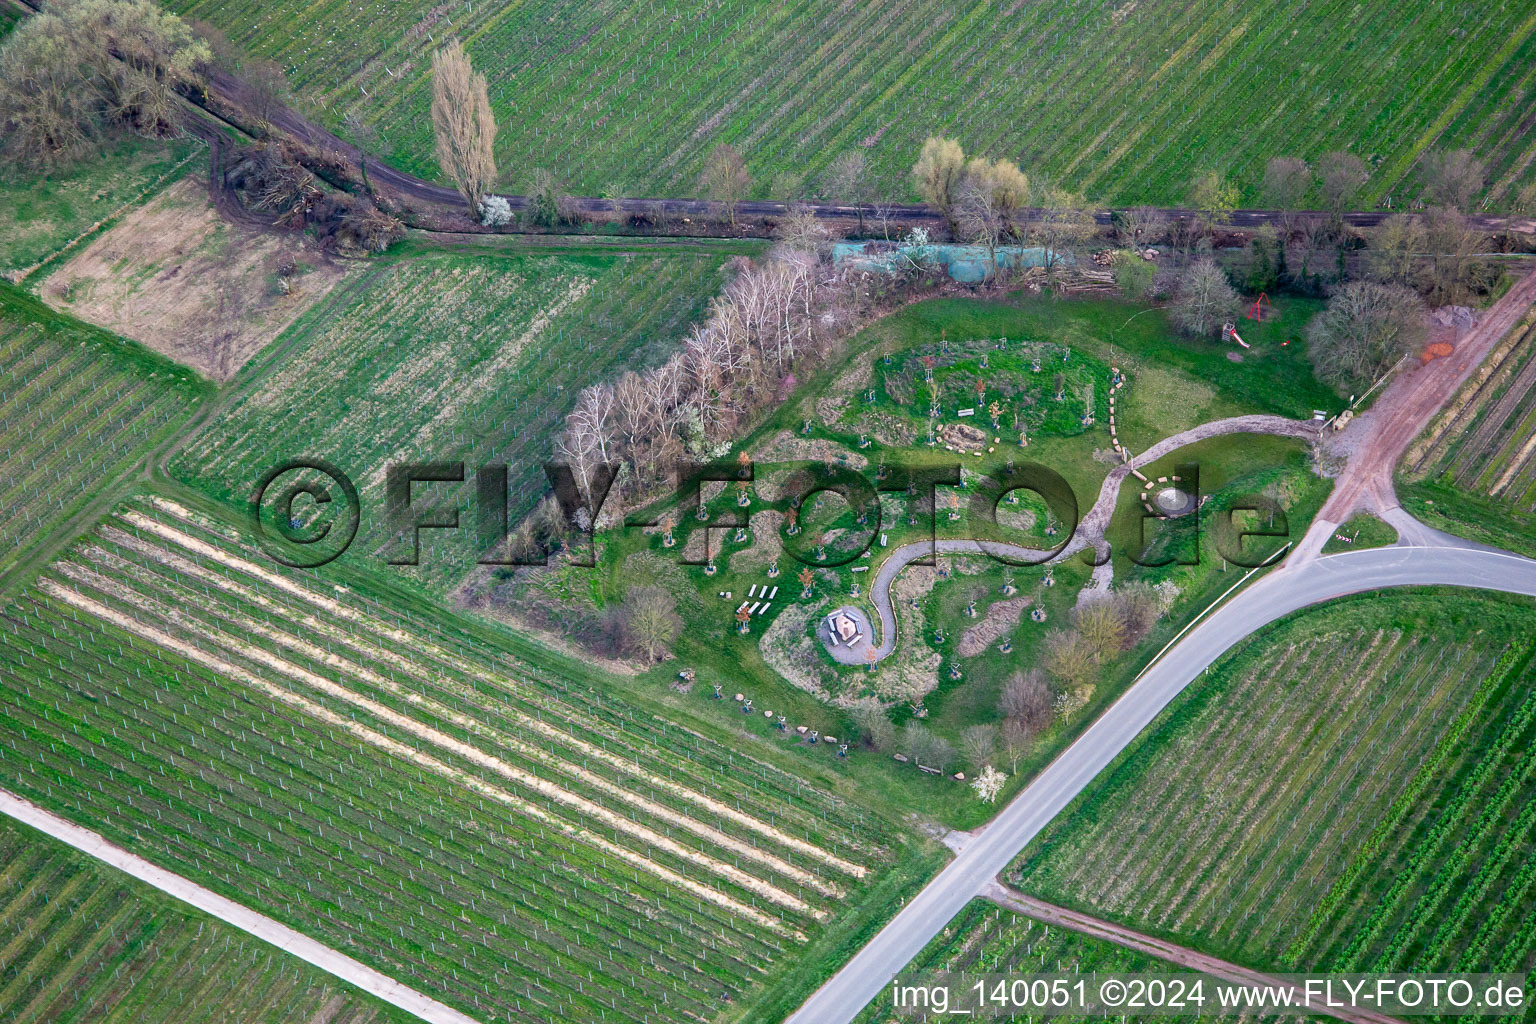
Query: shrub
(495, 211)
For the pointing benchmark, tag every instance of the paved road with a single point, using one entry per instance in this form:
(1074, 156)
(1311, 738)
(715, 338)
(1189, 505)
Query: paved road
(280, 935)
(982, 858)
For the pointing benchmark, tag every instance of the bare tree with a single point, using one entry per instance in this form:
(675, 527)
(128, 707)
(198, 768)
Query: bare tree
(1341, 177)
(463, 127)
(1069, 658)
(978, 745)
(725, 178)
(1017, 738)
(980, 221)
(884, 211)
(801, 231)
(1396, 250)
(846, 183)
(1311, 254)
(1458, 268)
(268, 87)
(633, 408)
(1454, 178)
(916, 741)
(1026, 699)
(990, 196)
(1064, 225)
(587, 440)
(650, 621)
(1188, 232)
(873, 724)
(1364, 330)
(1140, 226)
(1205, 298)
(938, 173)
(1140, 608)
(1287, 180)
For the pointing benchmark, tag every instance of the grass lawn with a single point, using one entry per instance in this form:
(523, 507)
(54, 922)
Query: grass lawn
(1362, 531)
(1345, 791)
(41, 213)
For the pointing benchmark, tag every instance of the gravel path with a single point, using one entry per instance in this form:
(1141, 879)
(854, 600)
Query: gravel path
(1090, 529)
(262, 927)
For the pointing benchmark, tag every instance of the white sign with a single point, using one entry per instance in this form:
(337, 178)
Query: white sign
(967, 412)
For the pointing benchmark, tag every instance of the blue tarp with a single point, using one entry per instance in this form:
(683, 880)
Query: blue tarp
(968, 264)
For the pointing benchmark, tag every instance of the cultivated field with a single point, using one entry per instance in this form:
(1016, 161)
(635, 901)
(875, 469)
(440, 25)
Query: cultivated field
(986, 939)
(1349, 792)
(1124, 100)
(441, 358)
(77, 406)
(1475, 468)
(81, 943)
(507, 842)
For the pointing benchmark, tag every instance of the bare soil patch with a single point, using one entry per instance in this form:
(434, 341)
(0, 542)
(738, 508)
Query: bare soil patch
(1000, 617)
(179, 278)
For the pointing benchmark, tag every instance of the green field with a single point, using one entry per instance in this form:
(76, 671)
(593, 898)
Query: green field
(1347, 791)
(1473, 472)
(42, 213)
(80, 942)
(446, 357)
(77, 406)
(1126, 101)
(272, 735)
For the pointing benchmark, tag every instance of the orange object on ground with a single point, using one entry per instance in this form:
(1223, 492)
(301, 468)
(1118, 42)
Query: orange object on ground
(1438, 350)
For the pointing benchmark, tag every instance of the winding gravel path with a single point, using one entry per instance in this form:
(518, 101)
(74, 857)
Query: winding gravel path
(1090, 528)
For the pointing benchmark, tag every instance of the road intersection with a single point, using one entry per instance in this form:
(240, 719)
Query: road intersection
(1279, 594)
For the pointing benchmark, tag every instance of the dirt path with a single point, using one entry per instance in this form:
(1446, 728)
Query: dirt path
(1011, 899)
(1377, 439)
(337, 964)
